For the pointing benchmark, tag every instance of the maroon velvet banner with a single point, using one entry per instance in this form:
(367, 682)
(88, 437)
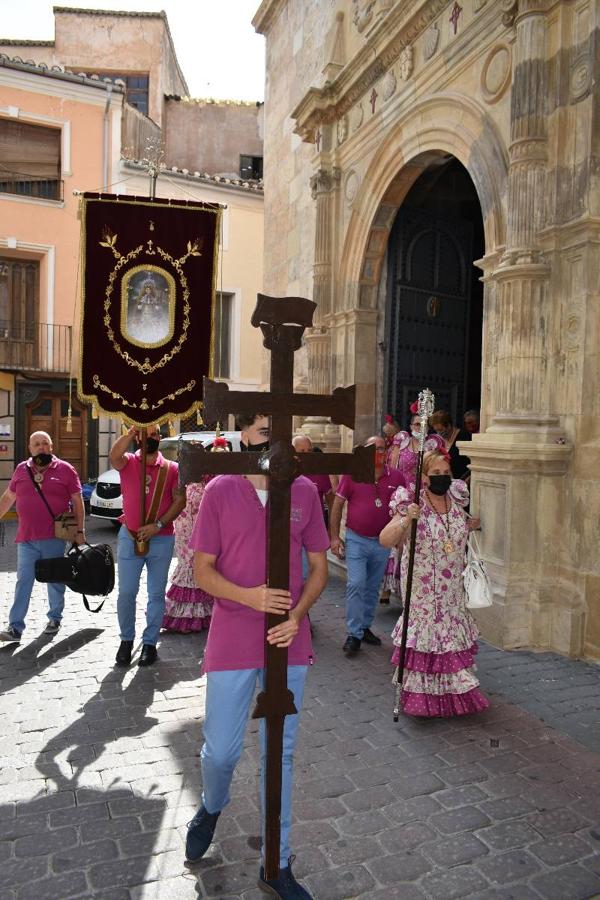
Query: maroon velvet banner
(148, 299)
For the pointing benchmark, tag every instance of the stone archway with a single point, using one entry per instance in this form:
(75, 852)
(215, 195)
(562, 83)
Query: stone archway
(440, 126)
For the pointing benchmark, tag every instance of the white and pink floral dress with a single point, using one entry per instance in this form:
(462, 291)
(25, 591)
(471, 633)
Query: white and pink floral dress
(401, 456)
(187, 607)
(439, 666)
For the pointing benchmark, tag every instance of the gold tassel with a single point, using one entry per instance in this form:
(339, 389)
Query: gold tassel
(218, 431)
(171, 427)
(199, 419)
(94, 412)
(124, 428)
(69, 426)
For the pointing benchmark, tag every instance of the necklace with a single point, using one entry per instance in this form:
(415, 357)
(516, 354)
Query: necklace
(448, 545)
(38, 476)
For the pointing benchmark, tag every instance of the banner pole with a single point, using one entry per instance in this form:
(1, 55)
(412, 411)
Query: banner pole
(144, 454)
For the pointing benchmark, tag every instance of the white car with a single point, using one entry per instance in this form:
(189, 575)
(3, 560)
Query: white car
(106, 501)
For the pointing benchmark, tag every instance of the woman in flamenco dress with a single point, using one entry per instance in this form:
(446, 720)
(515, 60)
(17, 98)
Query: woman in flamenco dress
(439, 663)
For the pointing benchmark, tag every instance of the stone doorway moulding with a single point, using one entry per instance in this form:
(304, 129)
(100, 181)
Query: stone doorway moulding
(436, 128)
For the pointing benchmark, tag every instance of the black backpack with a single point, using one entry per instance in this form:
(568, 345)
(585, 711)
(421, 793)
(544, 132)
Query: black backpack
(85, 569)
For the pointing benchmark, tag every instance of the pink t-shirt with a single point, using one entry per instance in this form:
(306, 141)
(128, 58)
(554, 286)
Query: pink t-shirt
(365, 516)
(232, 525)
(130, 489)
(322, 484)
(60, 482)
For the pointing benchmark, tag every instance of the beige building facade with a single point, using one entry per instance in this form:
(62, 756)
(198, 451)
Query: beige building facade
(432, 182)
(59, 133)
(76, 112)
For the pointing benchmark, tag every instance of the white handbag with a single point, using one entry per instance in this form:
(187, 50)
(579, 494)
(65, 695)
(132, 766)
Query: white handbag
(475, 578)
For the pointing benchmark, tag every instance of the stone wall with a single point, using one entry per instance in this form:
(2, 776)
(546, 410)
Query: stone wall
(209, 136)
(389, 89)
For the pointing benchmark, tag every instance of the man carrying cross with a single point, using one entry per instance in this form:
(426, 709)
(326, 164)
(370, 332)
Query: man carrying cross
(230, 562)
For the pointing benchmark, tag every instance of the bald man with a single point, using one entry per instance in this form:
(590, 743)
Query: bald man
(41, 477)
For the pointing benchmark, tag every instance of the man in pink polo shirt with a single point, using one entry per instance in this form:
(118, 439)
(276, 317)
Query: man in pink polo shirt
(43, 487)
(366, 559)
(230, 562)
(158, 532)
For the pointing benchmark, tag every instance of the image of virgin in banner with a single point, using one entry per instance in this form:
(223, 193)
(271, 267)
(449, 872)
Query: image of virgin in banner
(148, 298)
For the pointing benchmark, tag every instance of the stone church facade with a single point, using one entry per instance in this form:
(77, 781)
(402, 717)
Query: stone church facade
(432, 181)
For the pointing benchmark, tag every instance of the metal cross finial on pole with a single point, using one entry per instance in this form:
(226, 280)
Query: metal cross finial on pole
(153, 161)
(424, 410)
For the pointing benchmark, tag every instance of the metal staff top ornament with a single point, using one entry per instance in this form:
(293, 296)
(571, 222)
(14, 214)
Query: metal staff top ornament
(424, 411)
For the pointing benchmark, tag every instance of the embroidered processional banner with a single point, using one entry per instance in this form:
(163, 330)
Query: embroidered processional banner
(148, 297)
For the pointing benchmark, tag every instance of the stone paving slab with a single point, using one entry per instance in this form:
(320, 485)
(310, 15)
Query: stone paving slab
(99, 772)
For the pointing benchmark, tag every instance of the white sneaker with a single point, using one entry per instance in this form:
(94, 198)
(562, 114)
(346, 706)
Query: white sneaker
(52, 627)
(10, 635)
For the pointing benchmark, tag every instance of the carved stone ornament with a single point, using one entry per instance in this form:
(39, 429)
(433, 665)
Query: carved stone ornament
(496, 73)
(351, 186)
(358, 116)
(580, 80)
(342, 130)
(478, 5)
(509, 10)
(388, 87)
(406, 62)
(324, 181)
(432, 39)
(363, 13)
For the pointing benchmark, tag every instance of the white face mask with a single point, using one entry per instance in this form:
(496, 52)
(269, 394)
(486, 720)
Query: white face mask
(416, 434)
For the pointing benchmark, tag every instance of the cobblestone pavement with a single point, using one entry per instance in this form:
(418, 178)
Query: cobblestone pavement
(100, 773)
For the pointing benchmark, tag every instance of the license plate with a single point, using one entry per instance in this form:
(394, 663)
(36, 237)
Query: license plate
(104, 504)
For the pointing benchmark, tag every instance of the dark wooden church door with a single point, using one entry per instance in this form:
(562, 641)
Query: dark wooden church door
(430, 266)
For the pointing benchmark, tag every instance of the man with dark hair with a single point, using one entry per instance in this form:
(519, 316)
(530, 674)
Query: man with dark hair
(230, 562)
(246, 423)
(164, 502)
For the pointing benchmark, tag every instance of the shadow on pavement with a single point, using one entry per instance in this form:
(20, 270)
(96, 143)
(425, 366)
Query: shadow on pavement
(24, 663)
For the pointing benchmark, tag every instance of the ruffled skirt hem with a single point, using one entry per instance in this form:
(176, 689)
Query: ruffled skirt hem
(184, 626)
(436, 663)
(187, 609)
(445, 705)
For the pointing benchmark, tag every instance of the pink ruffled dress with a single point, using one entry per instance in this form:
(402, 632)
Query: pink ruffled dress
(187, 608)
(439, 665)
(401, 456)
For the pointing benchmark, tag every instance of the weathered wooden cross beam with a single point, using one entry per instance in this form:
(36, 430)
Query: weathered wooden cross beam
(282, 321)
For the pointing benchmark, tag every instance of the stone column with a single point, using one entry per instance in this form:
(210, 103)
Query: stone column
(522, 278)
(324, 184)
(519, 462)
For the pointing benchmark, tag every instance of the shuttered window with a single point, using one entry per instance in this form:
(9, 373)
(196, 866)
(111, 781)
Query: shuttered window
(30, 160)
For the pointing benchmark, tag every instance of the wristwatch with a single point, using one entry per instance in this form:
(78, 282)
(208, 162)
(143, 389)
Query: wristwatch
(160, 525)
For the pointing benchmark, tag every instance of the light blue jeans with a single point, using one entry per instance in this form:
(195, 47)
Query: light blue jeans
(228, 698)
(366, 560)
(157, 560)
(27, 554)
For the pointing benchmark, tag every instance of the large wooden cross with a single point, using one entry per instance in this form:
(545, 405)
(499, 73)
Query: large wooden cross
(282, 322)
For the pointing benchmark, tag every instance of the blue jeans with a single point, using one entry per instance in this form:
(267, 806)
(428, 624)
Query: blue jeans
(366, 560)
(27, 554)
(228, 698)
(158, 560)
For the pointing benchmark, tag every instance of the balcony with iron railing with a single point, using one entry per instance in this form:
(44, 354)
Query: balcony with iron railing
(23, 185)
(35, 347)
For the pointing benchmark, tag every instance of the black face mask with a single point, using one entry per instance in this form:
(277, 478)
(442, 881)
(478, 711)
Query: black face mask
(43, 459)
(439, 484)
(256, 448)
(151, 444)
